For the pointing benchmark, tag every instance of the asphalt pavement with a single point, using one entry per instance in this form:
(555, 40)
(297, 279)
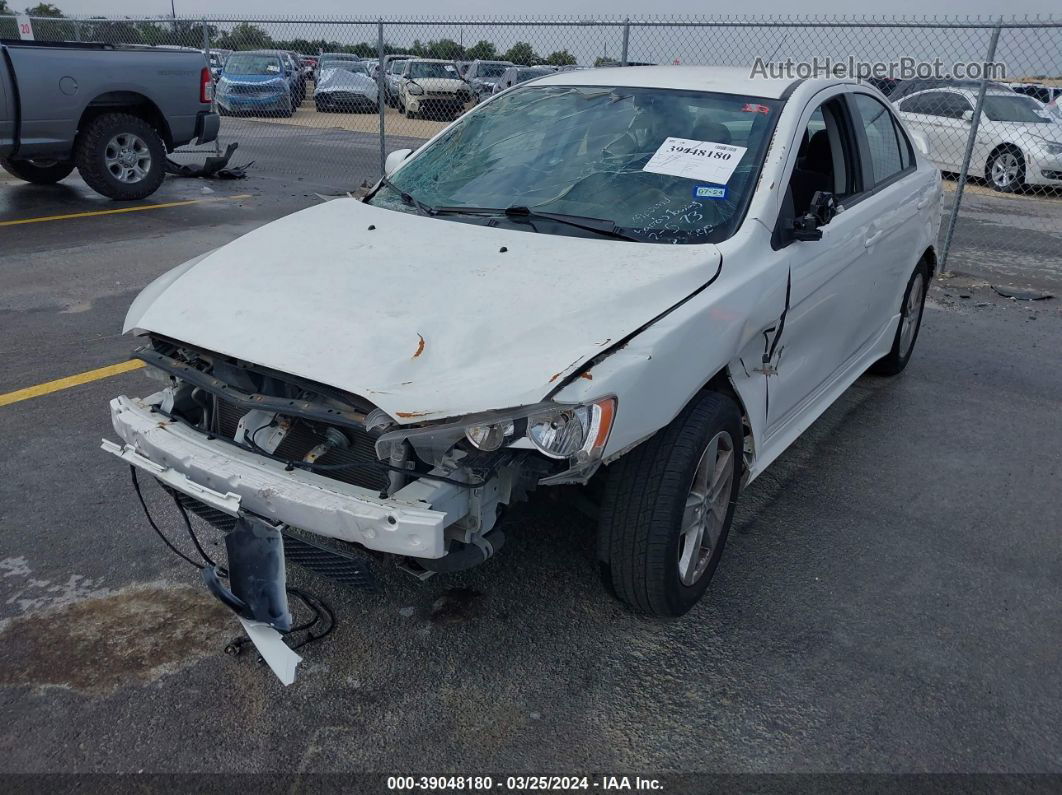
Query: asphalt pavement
(890, 599)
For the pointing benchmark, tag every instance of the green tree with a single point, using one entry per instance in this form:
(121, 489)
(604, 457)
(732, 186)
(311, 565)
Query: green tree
(3, 7)
(560, 58)
(245, 36)
(522, 53)
(482, 50)
(45, 10)
(447, 49)
(605, 61)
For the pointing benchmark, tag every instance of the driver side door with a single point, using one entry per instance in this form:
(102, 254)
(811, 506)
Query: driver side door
(822, 328)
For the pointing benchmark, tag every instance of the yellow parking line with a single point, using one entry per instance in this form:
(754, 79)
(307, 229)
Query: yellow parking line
(118, 210)
(71, 380)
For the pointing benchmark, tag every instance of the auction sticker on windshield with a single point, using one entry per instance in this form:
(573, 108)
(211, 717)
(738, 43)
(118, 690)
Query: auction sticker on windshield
(705, 161)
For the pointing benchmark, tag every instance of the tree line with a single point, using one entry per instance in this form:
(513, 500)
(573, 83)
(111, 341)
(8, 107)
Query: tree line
(248, 36)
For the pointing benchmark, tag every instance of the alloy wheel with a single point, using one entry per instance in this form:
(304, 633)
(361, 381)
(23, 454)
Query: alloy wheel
(706, 507)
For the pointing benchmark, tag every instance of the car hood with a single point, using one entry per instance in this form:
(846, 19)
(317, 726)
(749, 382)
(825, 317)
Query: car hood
(424, 317)
(252, 79)
(440, 84)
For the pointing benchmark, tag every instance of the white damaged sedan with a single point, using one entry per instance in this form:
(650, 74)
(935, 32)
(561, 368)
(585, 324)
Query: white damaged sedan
(647, 281)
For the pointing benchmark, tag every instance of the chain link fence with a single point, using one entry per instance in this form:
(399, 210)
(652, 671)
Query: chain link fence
(983, 94)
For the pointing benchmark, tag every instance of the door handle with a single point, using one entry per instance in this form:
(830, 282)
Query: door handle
(923, 203)
(874, 238)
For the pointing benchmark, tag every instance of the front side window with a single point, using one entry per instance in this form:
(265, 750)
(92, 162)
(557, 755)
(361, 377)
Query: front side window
(883, 145)
(584, 151)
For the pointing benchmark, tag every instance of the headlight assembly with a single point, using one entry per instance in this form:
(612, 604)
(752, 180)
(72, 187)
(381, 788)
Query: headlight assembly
(577, 433)
(490, 437)
(414, 89)
(1052, 147)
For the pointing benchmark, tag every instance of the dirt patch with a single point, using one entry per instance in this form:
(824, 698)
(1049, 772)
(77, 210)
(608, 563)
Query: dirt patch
(134, 635)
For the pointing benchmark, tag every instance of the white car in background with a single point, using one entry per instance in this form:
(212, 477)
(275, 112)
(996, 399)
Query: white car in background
(1018, 141)
(647, 280)
(431, 88)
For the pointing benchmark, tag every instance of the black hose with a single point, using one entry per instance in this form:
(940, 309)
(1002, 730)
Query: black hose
(151, 521)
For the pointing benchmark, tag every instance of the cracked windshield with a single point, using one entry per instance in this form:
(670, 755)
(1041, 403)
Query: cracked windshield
(632, 163)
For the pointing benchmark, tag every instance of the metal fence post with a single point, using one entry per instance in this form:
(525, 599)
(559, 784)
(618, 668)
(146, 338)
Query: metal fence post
(974, 124)
(626, 41)
(380, 89)
(213, 99)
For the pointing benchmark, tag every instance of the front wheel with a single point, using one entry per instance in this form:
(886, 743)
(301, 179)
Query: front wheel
(120, 156)
(1006, 170)
(914, 301)
(668, 505)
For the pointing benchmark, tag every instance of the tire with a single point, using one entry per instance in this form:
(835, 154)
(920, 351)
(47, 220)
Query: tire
(93, 152)
(647, 499)
(1006, 170)
(911, 310)
(38, 172)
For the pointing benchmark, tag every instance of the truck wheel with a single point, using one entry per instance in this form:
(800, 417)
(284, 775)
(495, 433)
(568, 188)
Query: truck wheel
(120, 156)
(39, 172)
(668, 505)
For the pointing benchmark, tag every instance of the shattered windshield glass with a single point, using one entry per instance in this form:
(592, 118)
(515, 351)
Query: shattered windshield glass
(600, 153)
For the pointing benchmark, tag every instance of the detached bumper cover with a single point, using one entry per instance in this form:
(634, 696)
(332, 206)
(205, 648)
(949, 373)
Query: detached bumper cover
(236, 481)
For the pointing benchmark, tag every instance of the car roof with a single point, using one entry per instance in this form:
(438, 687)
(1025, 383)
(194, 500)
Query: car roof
(429, 60)
(721, 79)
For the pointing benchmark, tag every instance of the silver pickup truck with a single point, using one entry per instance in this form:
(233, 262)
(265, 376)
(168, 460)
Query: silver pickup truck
(113, 112)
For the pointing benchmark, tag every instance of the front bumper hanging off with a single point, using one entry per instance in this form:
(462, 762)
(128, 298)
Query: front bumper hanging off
(238, 483)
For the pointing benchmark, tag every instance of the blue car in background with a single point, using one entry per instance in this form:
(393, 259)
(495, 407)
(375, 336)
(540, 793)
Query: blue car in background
(256, 84)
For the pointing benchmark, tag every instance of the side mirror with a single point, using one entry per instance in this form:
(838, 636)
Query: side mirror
(967, 116)
(823, 209)
(394, 160)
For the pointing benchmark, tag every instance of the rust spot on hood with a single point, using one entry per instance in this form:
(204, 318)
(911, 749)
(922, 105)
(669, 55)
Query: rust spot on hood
(587, 376)
(554, 377)
(408, 415)
(420, 347)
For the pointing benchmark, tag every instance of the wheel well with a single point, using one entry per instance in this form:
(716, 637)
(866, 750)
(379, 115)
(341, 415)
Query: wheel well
(132, 103)
(929, 257)
(1003, 147)
(721, 384)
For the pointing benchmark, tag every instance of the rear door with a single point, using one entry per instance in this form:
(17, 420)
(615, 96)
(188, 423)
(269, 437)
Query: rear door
(898, 198)
(924, 113)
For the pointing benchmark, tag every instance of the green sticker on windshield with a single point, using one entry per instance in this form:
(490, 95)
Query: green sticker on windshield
(709, 191)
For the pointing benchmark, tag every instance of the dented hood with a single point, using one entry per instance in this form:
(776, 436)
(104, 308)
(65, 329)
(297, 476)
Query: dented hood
(425, 317)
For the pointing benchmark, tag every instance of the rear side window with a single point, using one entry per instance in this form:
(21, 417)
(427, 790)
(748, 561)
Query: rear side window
(882, 138)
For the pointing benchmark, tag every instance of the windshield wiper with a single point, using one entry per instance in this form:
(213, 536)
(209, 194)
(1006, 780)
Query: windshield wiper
(408, 198)
(601, 226)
